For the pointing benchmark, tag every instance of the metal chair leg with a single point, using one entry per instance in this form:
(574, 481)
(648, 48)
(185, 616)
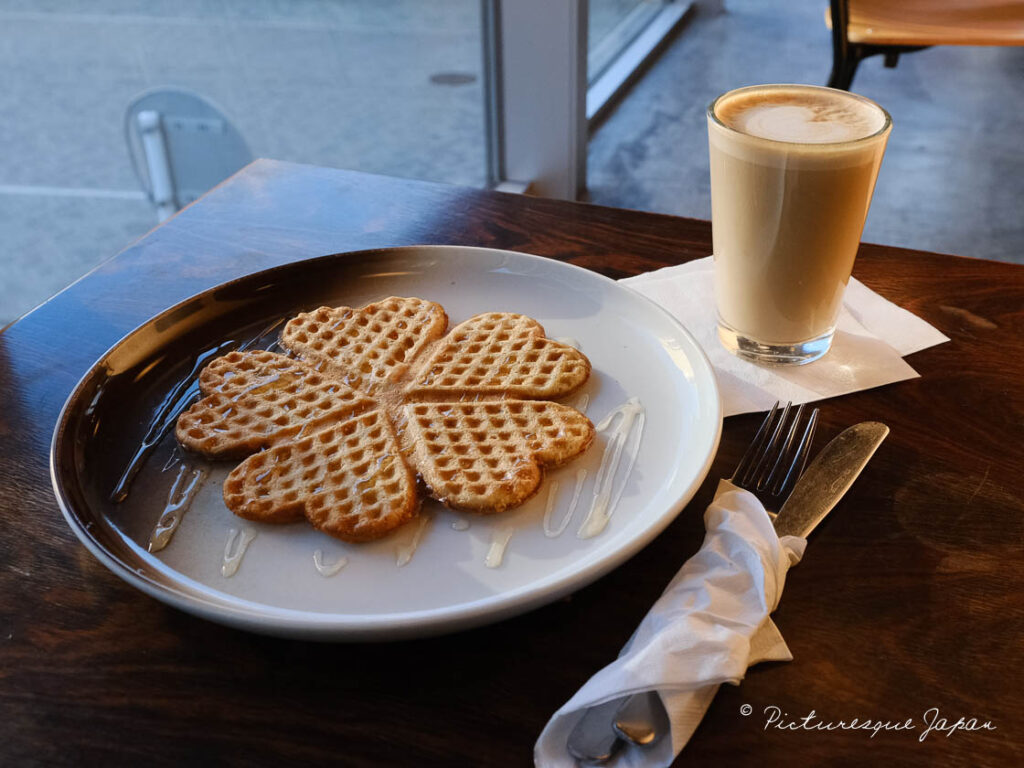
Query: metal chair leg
(845, 56)
(842, 74)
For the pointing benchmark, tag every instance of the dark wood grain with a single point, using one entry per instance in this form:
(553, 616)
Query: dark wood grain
(909, 597)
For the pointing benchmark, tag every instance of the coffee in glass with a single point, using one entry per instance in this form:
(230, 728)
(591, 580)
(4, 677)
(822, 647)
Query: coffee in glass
(793, 168)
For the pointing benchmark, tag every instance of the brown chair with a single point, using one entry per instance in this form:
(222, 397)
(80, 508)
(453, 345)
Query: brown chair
(862, 28)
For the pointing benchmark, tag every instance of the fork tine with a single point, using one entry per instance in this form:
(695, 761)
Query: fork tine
(754, 448)
(811, 426)
(768, 478)
(767, 453)
(800, 457)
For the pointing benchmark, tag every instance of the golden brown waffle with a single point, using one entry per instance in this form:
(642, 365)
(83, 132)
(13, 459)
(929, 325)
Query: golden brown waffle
(501, 355)
(487, 456)
(349, 480)
(258, 399)
(380, 395)
(369, 345)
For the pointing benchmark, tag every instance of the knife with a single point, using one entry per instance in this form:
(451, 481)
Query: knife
(641, 718)
(828, 478)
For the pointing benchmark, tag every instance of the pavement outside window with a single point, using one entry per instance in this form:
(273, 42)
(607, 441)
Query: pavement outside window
(389, 87)
(395, 87)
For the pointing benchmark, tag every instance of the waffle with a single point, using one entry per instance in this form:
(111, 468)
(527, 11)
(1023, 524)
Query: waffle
(348, 480)
(501, 355)
(487, 456)
(258, 399)
(379, 396)
(367, 346)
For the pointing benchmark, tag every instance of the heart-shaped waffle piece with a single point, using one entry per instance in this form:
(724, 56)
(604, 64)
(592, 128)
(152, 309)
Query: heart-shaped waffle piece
(258, 399)
(348, 480)
(500, 355)
(487, 456)
(367, 346)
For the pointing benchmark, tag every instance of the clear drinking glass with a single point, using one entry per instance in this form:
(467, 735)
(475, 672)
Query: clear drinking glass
(793, 168)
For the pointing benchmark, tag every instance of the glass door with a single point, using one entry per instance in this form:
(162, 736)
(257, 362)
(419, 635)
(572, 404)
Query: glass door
(622, 35)
(611, 26)
(393, 88)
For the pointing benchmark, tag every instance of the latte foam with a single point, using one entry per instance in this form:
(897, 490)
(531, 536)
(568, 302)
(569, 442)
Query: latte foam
(793, 168)
(801, 117)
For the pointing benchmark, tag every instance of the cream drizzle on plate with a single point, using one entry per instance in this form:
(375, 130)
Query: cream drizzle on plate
(324, 569)
(551, 531)
(233, 559)
(627, 415)
(178, 502)
(405, 550)
(173, 459)
(499, 543)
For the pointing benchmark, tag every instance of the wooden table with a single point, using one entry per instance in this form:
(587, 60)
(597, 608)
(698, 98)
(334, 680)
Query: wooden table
(909, 597)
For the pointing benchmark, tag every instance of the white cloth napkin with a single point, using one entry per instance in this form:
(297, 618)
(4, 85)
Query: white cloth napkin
(709, 625)
(872, 335)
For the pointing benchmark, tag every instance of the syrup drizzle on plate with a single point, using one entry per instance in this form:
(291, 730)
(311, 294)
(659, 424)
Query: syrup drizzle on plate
(324, 569)
(233, 555)
(164, 418)
(174, 404)
(180, 498)
(581, 404)
(405, 550)
(627, 415)
(550, 530)
(499, 543)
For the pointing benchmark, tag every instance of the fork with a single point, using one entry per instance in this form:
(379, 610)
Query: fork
(769, 468)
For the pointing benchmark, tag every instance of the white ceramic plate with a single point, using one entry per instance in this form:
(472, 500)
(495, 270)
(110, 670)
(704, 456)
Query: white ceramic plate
(637, 351)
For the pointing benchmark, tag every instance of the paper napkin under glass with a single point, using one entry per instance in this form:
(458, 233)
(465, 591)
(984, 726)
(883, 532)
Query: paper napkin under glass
(709, 625)
(872, 336)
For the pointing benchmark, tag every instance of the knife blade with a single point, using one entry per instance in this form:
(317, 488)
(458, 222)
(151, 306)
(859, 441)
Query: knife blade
(828, 478)
(640, 718)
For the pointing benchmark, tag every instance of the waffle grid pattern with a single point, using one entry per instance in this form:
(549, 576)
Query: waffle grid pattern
(258, 399)
(328, 420)
(348, 480)
(502, 354)
(367, 346)
(484, 456)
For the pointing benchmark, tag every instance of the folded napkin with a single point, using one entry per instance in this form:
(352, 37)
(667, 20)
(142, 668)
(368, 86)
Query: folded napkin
(872, 335)
(709, 625)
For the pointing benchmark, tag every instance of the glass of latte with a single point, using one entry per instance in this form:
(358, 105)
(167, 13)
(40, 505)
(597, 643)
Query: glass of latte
(792, 172)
